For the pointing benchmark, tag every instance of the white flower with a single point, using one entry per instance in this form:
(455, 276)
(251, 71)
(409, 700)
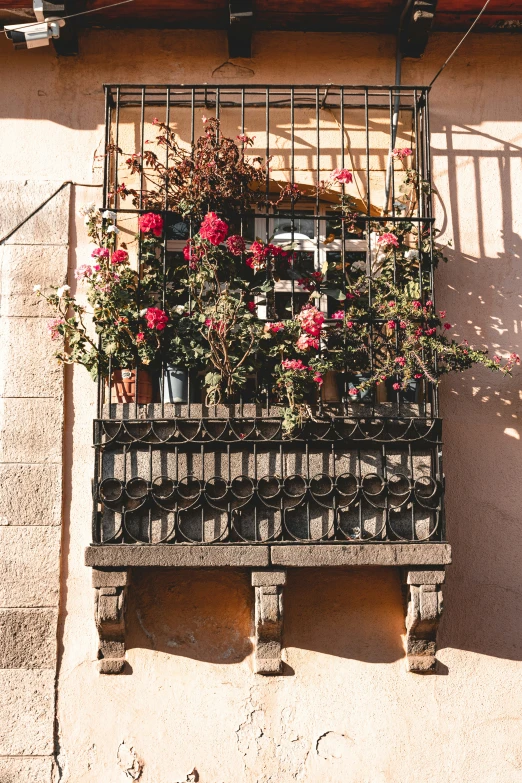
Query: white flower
(179, 309)
(62, 290)
(113, 230)
(142, 312)
(411, 255)
(108, 215)
(37, 289)
(88, 209)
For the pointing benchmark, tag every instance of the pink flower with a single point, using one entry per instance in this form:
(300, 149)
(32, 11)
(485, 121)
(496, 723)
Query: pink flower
(140, 337)
(274, 328)
(391, 325)
(244, 139)
(83, 272)
(416, 305)
(96, 267)
(349, 324)
(400, 360)
(293, 364)
(353, 391)
(311, 320)
(442, 313)
(396, 386)
(318, 378)
(388, 240)
(338, 316)
(305, 342)
(342, 175)
(100, 252)
(403, 324)
(429, 303)
(401, 153)
(213, 229)
(236, 245)
(417, 376)
(151, 223)
(447, 326)
(156, 318)
(431, 331)
(119, 257)
(52, 327)
(252, 307)
(217, 326)
(391, 304)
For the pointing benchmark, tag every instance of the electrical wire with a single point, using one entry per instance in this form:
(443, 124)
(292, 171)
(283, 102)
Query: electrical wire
(458, 46)
(71, 16)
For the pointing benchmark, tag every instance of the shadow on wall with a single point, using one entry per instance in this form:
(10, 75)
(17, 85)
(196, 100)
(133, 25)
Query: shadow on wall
(207, 615)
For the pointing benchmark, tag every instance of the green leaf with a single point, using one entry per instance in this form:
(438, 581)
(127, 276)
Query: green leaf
(335, 293)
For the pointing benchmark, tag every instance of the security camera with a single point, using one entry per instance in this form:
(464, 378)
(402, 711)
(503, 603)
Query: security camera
(29, 36)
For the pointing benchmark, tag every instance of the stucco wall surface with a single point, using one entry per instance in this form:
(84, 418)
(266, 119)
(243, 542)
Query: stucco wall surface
(345, 709)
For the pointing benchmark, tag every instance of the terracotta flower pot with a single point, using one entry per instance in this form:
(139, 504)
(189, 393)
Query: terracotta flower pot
(123, 382)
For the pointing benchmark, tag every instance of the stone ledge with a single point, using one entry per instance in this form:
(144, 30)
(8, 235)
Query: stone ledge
(172, 556)
(360, 554)
(289, 555)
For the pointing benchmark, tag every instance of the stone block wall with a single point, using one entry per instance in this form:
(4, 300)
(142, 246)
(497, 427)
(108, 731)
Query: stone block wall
(31, 433)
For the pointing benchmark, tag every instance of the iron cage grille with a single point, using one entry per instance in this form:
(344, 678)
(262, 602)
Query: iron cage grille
(364, 469)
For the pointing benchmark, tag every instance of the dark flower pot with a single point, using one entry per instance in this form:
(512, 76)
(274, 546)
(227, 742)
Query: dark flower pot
(175, 385)
(364, 396)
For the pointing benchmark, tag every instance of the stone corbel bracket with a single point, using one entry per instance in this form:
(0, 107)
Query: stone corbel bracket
(109, 612)
(423, 593)
(268, 620)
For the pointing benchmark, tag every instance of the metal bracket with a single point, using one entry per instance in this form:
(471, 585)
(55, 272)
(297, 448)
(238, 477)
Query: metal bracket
(109, 614)
(240, 28)
(417, 28)
(268, 620)
(423, 592)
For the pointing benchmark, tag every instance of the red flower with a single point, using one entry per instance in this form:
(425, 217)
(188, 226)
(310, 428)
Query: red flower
(353, 391)
(190, 255)
(156, 318)
(447, 326)
(342, 175)
(119, 257)
(318, 378)
(213, 229)
(396, 386)
(252, 307)
(236, 245)
(140, 337)
(151, 223)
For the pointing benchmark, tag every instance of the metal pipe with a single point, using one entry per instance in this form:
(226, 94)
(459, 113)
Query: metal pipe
(395, 118)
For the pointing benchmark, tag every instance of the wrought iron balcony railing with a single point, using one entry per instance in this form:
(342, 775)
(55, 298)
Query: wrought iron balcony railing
(364, 467)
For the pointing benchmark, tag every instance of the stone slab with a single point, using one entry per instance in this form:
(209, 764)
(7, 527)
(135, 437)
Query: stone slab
(26, 769)
(268, 578)
(360, 554)
(421, 576)
(29, 566)
(28, 374)
(31, 430)
(30, 494)
(26, 712)
(22, 267)
(190, 556)
(28, 638)
(108, 578)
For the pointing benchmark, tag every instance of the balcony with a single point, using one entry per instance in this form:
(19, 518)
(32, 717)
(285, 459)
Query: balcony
(197, 479)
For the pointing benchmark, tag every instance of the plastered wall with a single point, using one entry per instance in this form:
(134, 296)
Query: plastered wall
(345, 709)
